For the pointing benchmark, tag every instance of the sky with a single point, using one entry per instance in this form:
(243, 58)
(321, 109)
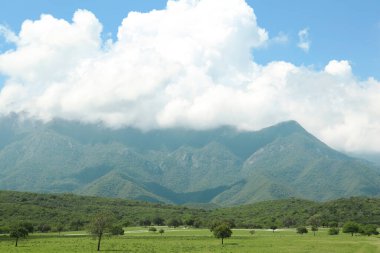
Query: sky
(197, 64)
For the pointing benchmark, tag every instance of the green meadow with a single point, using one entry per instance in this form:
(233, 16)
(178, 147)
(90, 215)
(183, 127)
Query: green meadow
(138, 239)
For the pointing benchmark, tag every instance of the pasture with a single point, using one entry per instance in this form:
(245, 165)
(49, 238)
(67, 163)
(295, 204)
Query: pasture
(139, 240)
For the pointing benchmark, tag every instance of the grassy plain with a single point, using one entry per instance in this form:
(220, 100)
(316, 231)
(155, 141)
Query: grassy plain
(139, 240)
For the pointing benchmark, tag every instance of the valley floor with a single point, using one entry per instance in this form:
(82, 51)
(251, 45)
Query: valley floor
(139, 240)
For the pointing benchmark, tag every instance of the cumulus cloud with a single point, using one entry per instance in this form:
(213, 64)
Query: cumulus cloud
(304, 41)
(190, 64)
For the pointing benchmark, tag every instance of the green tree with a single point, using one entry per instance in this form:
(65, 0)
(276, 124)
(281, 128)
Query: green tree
(174, 223)
(252, 232)
(117, 230)
(314, 229)
(333, 231)
(60, 228)
(302, 230)
(29, 226)
(368, 229)
(17, 232)
(273, 227)
(161, 231)
(145, 222)
(44, 228)
(152, 229)
(351, 227)
(158, 221)
(222, 231)
(99, 225)
(77, 225)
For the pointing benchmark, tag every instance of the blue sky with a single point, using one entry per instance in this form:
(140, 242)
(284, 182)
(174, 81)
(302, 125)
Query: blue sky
(197, 64)
(339, 29)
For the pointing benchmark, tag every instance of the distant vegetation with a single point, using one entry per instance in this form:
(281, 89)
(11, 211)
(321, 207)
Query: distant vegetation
(62, 212)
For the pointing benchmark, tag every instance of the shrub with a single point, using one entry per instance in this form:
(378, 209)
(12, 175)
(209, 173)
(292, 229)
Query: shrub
(117, 230)
(302, 230)
(333, 231)
(152, 229)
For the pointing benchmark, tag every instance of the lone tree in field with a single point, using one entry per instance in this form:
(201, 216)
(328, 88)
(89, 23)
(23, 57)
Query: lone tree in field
(315, 222)
(273, 227)
(302, 230)
(99, 225)
(18, 232)
(161, 231)
(314, 229)
(222, 231)
(351, 227)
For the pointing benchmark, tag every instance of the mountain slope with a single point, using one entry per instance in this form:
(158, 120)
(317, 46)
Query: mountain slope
(221, 166)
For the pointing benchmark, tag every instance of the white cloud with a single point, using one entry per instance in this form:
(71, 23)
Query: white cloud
(187, 65)
(281, 38)
(304, 41)
(8, 34)
(339, 68)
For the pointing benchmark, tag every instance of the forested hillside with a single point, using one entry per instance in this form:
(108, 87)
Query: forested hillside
(71, 210)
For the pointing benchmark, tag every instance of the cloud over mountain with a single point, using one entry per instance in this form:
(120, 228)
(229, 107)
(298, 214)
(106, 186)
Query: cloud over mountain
(191, 64)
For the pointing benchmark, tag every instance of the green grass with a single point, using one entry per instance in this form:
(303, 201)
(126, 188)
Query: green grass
(139, 240)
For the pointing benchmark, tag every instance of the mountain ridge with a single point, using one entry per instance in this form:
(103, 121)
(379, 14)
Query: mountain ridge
(220, 166)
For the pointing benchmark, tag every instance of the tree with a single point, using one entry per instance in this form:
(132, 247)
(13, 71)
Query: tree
(273, 227)
(222, 231)
(99, 225)
(28, 226)
(315, 222)
(351, 227)
(60, 228)
(314, 229)
(158, 221)
(302, 230)
(252, 232)
(333, 231)
(44, 228)
(289, 222)
(17, 232)
(152, 229)
(189, 221)
(368, 229)
(77, 225)
(117, 230)
(145, 222)
(161, 231)
(174, 223)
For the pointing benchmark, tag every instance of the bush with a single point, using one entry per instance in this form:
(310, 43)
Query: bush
(117, 230)
(152, 229)
(333, 231)
(302, 230)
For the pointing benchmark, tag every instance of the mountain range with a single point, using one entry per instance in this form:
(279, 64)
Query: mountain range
(221, 166)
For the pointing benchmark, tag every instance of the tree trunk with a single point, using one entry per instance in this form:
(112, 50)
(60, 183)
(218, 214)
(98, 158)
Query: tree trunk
(314, 233)
(222, 240)
(352, 234)
(16, 242)
(100, 238)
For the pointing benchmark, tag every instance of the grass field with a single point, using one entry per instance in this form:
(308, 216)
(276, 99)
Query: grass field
(139, 240)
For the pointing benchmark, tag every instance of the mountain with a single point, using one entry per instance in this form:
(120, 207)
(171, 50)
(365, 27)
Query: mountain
(220, 166)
